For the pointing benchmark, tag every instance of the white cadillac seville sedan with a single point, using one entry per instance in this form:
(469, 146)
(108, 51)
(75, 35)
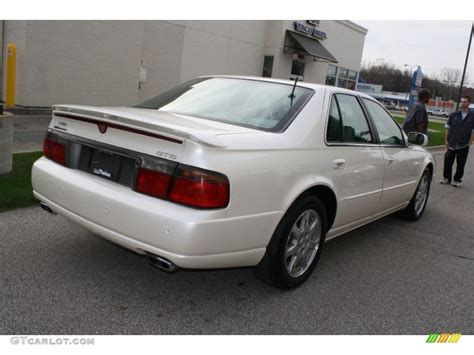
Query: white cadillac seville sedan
(224, 172)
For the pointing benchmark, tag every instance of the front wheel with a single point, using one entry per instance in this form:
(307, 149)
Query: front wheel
(417, 205)
(295, 246)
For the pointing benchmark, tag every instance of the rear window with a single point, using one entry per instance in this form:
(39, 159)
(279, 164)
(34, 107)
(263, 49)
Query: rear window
(243, 102)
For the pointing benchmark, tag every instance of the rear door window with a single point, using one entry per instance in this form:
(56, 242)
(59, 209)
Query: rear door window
(334, 132)
(347, 121)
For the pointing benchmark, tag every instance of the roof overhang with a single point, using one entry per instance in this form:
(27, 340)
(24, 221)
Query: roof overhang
(296, 43)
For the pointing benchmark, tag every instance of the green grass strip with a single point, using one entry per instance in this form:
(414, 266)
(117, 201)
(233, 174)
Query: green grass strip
(434, 138)
(15, 188)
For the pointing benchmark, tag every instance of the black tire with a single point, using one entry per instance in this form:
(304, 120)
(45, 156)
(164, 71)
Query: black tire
(413, 212)
(273, 267)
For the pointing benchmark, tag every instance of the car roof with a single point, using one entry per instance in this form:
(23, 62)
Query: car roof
(291, 82)
(271, 80)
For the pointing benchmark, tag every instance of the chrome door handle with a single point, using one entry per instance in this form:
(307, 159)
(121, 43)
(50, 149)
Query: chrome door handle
(390, 160)
(338, 163)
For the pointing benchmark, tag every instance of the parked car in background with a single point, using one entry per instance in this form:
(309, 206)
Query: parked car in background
(390, 105)
(439, 113)
(224, 172)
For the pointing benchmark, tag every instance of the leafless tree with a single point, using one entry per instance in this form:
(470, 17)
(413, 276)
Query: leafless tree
(451, 75)
(396, 79)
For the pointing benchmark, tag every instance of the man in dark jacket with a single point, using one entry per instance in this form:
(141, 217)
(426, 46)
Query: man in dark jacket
(458, 138)
(416, 119)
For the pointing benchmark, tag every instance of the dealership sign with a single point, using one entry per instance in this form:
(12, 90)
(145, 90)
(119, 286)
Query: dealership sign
(368, 87)
(415, 85)
(310, 29)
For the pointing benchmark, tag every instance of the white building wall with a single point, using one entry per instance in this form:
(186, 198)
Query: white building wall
(203, 53)
(246, 47)
(244, 58)
(223, 47)
(275, 36)
(98, 62)
(161, 52)
(86, 62)
(345, 41)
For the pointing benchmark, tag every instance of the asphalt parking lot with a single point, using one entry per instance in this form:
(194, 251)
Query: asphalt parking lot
(29, 131)
(390, 277)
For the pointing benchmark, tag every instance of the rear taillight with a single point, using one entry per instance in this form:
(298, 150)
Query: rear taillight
(199, 188)
(182, 184)
(153, 183)
(55, 151)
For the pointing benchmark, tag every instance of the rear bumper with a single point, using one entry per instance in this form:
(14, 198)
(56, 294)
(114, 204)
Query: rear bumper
(187, 237)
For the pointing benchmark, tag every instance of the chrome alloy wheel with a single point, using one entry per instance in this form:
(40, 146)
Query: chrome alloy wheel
(303, 243)
(421, 194)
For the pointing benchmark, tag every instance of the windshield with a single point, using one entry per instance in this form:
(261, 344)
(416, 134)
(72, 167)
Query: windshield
(251, 103)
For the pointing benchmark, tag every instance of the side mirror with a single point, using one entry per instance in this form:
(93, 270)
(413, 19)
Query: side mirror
(418, 139)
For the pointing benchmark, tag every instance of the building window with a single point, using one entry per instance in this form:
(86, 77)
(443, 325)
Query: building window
(267, 66)
(351, 85)
(297, 69)
(351, 79)
(342, 73)
(331, 77)
(332, 70)
(341, 83)
(352, 75)
(331, 80)
(341, 77)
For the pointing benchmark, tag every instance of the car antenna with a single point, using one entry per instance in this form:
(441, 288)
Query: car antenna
(292, 95)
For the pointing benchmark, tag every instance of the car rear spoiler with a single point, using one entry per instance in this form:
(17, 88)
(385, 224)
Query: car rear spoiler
(174, 133)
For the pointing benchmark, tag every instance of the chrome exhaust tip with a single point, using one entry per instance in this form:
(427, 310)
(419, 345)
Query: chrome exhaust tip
(161, 263)
(45, 207)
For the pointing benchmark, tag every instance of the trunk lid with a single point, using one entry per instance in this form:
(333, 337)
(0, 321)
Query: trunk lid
(156, 133)
(175, 127)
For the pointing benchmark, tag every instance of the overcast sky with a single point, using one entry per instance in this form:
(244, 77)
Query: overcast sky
(432, 44)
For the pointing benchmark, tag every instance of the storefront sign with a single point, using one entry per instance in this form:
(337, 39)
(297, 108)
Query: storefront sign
(369, 88)
(310, 29)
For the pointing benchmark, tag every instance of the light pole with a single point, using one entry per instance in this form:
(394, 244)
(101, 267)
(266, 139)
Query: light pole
(465, 66)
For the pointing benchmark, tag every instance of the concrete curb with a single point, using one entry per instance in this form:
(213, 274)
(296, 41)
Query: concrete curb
(20, 111)
(436, 147)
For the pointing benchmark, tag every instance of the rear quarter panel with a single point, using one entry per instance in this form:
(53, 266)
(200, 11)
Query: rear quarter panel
(268, 171)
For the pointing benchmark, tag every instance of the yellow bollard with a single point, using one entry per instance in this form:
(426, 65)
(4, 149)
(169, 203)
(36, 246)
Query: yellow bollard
(11, 75)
